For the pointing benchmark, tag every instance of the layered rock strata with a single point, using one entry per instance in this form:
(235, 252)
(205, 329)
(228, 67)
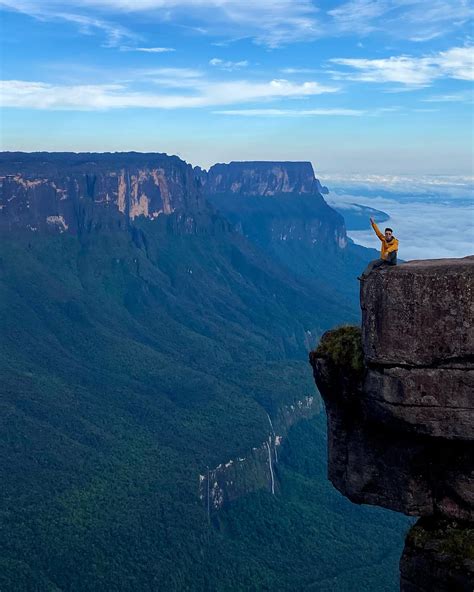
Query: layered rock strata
(69, 192)
(400, 406)
(274, 203)
(260, 178)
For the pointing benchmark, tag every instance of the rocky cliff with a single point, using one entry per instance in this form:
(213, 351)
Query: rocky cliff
(69, 192)
(260, 178)
(275, 204)
(400, 406)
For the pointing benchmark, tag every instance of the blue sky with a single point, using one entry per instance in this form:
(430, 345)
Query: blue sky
(366, 86)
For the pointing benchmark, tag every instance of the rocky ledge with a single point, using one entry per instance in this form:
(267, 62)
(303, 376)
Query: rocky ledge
(399, 396)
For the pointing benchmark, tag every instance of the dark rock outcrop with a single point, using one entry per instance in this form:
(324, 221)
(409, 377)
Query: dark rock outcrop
(401, 423)
(439, 553)
(420, 315)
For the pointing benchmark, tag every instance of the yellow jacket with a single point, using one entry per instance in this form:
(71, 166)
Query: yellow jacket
(387, 247)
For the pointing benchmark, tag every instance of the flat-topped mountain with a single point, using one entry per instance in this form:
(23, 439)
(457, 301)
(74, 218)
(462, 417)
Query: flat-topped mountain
(76, 192)
(280, 207)
(277, 206)
(260, 178)
(272, 202)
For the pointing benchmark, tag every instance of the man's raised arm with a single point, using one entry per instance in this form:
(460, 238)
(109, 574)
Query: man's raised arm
(377, 230)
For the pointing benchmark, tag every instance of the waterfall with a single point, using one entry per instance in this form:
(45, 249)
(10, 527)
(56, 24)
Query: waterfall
(208, 496)
(270, 464)
(274, 438)
(271, 424)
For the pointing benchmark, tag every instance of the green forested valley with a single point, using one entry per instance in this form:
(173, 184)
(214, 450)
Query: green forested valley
(130, 362)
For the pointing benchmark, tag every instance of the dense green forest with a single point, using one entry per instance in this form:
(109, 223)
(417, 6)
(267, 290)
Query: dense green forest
(130, 361)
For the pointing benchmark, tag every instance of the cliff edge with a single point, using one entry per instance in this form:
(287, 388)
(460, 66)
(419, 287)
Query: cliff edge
(399, 397)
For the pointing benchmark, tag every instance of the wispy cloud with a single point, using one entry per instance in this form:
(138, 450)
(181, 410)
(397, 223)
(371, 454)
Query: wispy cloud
(268, 22)
(114, 33)
(272, 23)
(308, 112)
(457, 97)
(299, 70)
(204, 93)
(290, 112)
(148, 49)
(456, 63)
(426, 37)
(228, 65)
(417, 20)
(359, 15)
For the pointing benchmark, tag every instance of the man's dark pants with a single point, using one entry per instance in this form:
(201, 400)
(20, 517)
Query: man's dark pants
(374, 265)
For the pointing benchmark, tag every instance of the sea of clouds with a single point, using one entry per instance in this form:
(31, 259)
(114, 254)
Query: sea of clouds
(432, 216)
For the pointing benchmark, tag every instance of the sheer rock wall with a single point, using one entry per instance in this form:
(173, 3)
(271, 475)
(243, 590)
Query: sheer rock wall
(401, 426)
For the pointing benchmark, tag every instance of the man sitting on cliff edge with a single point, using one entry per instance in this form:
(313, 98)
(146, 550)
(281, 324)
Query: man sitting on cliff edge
(388, 251)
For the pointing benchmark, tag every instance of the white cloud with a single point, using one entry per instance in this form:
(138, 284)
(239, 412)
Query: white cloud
(426, 37)
(268, 22)
(148, 49)
(358, 15)
(227, 64)
(290, 112)
(453, 186)
(307, 112)
(458, 97)
(417, 20)
(299, 71)
(40, 95)
(273, 22)
(171, 77)
(114, 33)
(457, 63)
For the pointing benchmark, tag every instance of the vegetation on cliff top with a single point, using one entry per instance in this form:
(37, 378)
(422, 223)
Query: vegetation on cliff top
(454, 539)
(343, 346)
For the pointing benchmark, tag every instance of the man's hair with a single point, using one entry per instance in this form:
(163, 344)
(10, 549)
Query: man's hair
(389, 229)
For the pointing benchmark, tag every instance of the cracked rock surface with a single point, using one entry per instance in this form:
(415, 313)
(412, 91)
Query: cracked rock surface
(401, 426)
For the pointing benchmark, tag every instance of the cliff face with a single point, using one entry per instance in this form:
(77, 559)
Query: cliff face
(68, 192)
(260, 178)
(274, 203)
(401, 423)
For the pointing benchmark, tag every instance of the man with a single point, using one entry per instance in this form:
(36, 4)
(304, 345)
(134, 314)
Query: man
(388, 251)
